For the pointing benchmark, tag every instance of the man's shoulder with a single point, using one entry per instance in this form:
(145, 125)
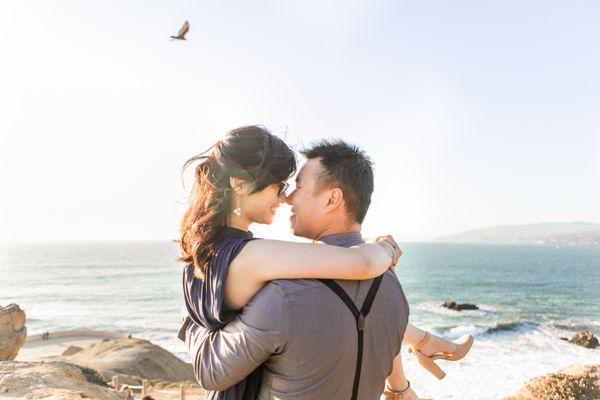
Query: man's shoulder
(391, 276)
(290, 293)
(270, 306)
(279, 299)
(283, 291)
(288, 287)
(390, 285)
(285, 288)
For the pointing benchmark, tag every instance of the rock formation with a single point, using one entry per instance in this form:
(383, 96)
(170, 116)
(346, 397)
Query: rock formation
(585, 339)
(12, 331)
(71, 350)
(131, 360)
(55, 380)
(580, 382)
(458, 307)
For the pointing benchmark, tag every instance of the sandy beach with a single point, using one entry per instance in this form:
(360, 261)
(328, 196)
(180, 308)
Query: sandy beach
(37, 347)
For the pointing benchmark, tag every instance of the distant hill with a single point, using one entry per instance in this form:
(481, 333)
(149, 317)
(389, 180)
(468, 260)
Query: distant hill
(557, 234)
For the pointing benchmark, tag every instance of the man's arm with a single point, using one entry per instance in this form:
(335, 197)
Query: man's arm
(224, 357)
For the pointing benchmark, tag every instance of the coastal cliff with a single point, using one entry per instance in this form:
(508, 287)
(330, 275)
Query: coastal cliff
(550, 234)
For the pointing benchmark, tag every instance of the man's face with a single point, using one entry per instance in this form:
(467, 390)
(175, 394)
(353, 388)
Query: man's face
(308, 206)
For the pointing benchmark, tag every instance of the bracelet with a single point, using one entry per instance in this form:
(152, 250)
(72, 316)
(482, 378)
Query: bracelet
(398, 391)
(394, 394)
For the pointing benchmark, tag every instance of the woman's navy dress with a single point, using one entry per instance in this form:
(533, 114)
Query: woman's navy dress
(204, 303)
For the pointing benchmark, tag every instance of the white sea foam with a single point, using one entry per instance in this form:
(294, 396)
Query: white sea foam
(461, 330)
(498, 365)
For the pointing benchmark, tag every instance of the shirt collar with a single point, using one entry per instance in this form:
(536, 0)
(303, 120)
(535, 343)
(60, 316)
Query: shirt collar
(344, 239)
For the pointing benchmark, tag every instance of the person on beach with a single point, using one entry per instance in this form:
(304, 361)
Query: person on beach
(240, 182)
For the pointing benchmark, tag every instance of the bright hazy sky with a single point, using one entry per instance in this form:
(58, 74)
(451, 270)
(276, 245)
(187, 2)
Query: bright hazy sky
(474, 112)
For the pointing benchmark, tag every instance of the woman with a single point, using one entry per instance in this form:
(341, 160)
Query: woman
(242, 181)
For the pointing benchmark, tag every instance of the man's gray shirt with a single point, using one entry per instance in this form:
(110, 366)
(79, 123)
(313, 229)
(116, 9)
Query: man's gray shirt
(306, 338)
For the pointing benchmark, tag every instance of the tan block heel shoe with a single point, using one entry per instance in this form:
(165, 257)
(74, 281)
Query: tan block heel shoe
(463, 345)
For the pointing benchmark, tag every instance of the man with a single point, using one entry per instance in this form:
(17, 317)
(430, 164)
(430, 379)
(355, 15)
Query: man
(315, 339)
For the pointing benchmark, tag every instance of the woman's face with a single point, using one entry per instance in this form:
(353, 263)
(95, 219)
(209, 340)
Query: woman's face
(260, 207)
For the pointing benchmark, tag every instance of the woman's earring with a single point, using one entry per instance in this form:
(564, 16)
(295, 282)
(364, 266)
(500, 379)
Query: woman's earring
(237, 210)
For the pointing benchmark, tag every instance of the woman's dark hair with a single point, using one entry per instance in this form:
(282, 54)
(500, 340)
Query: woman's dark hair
(249, 153)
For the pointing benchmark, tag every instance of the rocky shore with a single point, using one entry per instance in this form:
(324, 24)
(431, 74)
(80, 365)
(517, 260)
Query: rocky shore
(87, 364)
(129, 359)
(577, 382)
(86, 368)
(56, 380)
(585, 339)
(12, 331)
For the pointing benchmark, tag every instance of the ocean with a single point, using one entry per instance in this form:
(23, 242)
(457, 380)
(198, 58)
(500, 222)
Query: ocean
(529, 297)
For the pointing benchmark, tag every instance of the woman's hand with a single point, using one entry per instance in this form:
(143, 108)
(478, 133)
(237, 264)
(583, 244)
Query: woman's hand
(391, 246)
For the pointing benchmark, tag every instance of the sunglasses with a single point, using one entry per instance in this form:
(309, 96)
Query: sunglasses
(281, 188)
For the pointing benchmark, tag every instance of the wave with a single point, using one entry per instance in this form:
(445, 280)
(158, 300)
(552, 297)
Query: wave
(574, 327)
(461, 330)
(512, 326)
(481, 330)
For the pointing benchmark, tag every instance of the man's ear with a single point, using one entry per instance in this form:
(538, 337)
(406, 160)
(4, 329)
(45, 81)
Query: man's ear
(335, 199)
(238, 185)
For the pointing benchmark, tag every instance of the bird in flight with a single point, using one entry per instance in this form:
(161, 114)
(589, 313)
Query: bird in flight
(184, 29)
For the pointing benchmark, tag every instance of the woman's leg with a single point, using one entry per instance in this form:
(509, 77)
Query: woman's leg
(397, 381)
(435, 344)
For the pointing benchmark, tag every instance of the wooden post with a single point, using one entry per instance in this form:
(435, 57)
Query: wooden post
(181, 392)
(144, 388)
(115, 383)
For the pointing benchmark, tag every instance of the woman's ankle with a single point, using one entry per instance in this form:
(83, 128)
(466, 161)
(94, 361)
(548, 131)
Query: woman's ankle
(397, 384)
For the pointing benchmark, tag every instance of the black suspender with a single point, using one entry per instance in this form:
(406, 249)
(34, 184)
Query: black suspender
(360, 320)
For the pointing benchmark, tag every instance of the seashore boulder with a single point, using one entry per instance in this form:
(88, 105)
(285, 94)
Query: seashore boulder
(12, 331)
(131, 360)
(452, 305)
(71, 350)
(580, 382)
(585, 339)
(52, 380)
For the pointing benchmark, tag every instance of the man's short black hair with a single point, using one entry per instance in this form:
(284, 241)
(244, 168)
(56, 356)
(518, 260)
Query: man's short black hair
(346, 167)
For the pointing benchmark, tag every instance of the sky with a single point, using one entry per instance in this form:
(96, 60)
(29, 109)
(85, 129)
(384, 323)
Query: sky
(475, 113)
